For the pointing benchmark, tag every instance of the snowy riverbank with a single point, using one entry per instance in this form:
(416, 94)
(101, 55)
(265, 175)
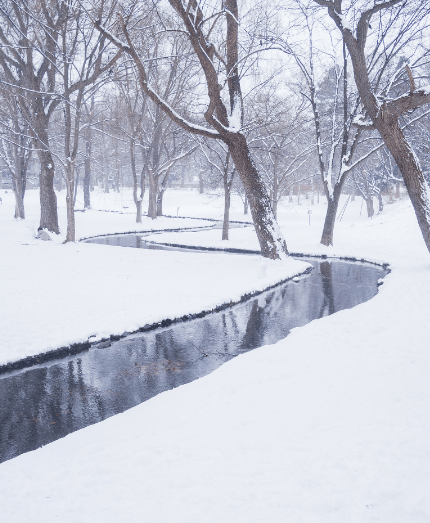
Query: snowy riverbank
(329, 425)
(55, 295)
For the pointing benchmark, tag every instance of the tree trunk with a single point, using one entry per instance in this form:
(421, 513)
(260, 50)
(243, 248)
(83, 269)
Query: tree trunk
(380, 202)
(160, 195)
(153, 189)
(385, 118)
(369, 206)
(19, 202)
(19, 207)
(76, 185)
(226, 220)
(368, 198)
(106, 180)
(245, 205)
(201, 184)
(330, 217)
(138, 211)
(104, 168)
(398, 191)
(48, 199)
(70, 182)
(137, 201)
(275, 207)
(269, 235)
(87, 174)
(19, 184)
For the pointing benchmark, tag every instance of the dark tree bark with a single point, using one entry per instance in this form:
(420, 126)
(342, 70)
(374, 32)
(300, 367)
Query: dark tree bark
(218, 116)
(48, 198)
(227, 183)
(268, 233)
(385, 116)
(330, 217)
(160, 195)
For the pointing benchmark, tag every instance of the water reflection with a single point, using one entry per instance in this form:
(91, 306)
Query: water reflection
(45, 403)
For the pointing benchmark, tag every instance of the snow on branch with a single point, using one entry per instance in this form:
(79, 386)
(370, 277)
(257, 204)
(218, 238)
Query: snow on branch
(149, 91)
(361, 122)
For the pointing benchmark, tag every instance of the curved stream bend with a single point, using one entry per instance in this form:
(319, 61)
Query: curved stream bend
(47, 402)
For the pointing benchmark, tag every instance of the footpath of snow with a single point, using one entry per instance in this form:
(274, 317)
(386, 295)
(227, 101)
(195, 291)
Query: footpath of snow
(329, 425)
(54, 295)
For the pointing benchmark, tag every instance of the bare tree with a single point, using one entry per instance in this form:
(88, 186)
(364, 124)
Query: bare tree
(384, 113)
(219, 65)
(280, 144)
(39, 40)
(15, 147)
(219, 159)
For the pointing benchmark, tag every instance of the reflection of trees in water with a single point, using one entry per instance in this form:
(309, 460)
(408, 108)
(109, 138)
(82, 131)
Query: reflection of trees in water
(255, 328)
(43, 404)
(327, 306)
(48, 403)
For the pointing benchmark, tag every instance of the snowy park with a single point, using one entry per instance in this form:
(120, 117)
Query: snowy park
(329, 424)
(215, 261)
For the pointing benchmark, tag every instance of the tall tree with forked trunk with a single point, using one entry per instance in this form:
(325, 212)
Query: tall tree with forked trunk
(219, 63)
(383, 113)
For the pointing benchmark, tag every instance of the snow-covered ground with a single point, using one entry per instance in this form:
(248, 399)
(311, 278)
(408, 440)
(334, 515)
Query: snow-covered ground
(329, 425)
(54, 295)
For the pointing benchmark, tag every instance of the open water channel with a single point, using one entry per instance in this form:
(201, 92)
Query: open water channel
(47, 402)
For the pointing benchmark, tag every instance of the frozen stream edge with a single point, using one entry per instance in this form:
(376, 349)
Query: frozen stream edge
(76, 348)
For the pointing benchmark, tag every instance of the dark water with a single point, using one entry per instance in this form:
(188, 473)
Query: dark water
(45, 403)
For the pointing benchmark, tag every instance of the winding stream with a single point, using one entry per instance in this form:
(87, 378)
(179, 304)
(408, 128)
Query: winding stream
(47, 402)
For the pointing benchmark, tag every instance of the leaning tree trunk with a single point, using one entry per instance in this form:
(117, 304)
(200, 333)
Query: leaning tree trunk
(269, 235)
(330, 217)
(412, 174)
(48, 199)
